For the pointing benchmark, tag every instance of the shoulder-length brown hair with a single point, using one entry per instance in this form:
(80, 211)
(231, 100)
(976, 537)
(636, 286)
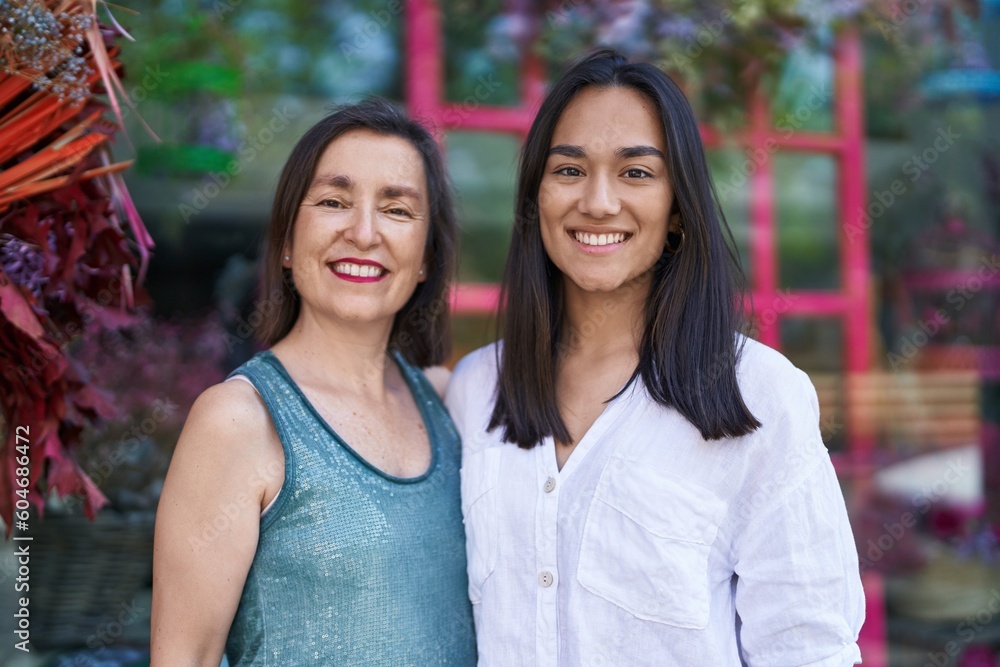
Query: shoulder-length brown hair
(690, 346)
(422, 329)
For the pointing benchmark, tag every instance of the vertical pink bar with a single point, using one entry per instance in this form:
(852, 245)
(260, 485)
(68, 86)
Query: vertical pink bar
(424, 62)
(872, 642)
(855, 269)
(762, 221)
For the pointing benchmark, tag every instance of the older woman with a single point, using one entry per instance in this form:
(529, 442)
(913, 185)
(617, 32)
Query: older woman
(641, 484)
(311, 513)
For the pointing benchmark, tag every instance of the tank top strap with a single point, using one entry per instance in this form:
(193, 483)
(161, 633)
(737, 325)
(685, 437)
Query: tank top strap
(276, 390)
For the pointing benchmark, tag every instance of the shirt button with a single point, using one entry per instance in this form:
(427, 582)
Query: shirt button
(545, 579)
(550, 484)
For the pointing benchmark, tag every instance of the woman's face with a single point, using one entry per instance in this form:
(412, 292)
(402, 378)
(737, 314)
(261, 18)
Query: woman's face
(605, 196)
(357, 248)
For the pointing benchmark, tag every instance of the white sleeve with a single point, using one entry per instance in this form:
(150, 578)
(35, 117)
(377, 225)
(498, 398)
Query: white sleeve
(798, 592)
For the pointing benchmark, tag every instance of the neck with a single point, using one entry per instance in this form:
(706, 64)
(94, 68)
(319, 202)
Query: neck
(597, 323)
(348, 356)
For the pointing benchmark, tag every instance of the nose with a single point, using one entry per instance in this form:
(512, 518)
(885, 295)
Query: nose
(363, 229)
(599, 198)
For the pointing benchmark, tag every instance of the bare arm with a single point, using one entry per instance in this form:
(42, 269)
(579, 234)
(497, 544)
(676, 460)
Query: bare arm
(227, 463)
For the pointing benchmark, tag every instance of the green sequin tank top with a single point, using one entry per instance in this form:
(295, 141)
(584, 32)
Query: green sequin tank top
(354, 566)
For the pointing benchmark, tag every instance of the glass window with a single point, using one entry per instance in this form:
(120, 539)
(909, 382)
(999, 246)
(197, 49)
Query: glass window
(482, 166)
(807, 217)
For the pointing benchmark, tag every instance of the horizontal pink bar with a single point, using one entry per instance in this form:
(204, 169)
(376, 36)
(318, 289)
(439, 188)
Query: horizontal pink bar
(949, 280)
(482, 298)
(475, 298)
(494, 119)
(797, 141)
(802, 303)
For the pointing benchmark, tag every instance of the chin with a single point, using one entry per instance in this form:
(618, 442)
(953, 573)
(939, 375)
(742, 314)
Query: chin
(596, 284)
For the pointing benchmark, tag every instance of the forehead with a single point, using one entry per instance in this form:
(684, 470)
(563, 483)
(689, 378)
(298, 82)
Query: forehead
(367, 157)
(604, 119)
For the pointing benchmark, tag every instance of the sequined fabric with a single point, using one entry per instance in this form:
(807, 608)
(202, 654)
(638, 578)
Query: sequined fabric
(354, 566)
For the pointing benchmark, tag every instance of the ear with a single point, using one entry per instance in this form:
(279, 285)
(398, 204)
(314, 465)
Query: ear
(674, 223)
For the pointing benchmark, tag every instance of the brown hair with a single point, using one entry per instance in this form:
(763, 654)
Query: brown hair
(422, 328)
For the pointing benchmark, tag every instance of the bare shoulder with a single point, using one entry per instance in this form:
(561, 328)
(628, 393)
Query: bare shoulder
(228, 431)
(230, 408)
(438, 376)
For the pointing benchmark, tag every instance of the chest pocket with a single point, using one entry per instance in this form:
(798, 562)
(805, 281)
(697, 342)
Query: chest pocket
(646, 544)
(480, 473)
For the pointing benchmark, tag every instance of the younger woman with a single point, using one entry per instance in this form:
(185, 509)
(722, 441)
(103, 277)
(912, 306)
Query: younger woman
(641, 485)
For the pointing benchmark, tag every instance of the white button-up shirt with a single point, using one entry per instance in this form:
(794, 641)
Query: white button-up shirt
(653, 546)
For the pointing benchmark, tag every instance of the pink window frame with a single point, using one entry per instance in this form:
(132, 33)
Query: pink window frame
(851, 303)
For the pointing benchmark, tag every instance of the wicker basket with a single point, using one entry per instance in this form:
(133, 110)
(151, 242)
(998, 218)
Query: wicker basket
(84, 574)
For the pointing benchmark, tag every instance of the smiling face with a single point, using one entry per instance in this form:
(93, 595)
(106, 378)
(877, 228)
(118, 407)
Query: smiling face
(357, 246)
(605, 197)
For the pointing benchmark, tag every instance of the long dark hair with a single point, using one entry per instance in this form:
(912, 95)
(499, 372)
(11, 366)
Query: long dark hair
(690, 346)
(422, 329)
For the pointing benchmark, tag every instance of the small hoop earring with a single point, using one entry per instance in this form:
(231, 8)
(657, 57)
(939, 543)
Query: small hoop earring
(675, 249)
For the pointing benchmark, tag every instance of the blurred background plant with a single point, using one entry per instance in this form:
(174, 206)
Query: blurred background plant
(154, 369)
(72, 245)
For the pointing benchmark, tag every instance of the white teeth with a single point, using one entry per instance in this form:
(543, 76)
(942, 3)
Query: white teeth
(359, 270)
(598, 240)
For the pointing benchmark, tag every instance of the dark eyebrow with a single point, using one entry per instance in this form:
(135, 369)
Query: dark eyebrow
(401, 191)
(568, 151)
(336, 180)
(630, 152)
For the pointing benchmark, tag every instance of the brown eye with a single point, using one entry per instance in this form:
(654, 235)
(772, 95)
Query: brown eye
(568, 171)
(638, 173)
